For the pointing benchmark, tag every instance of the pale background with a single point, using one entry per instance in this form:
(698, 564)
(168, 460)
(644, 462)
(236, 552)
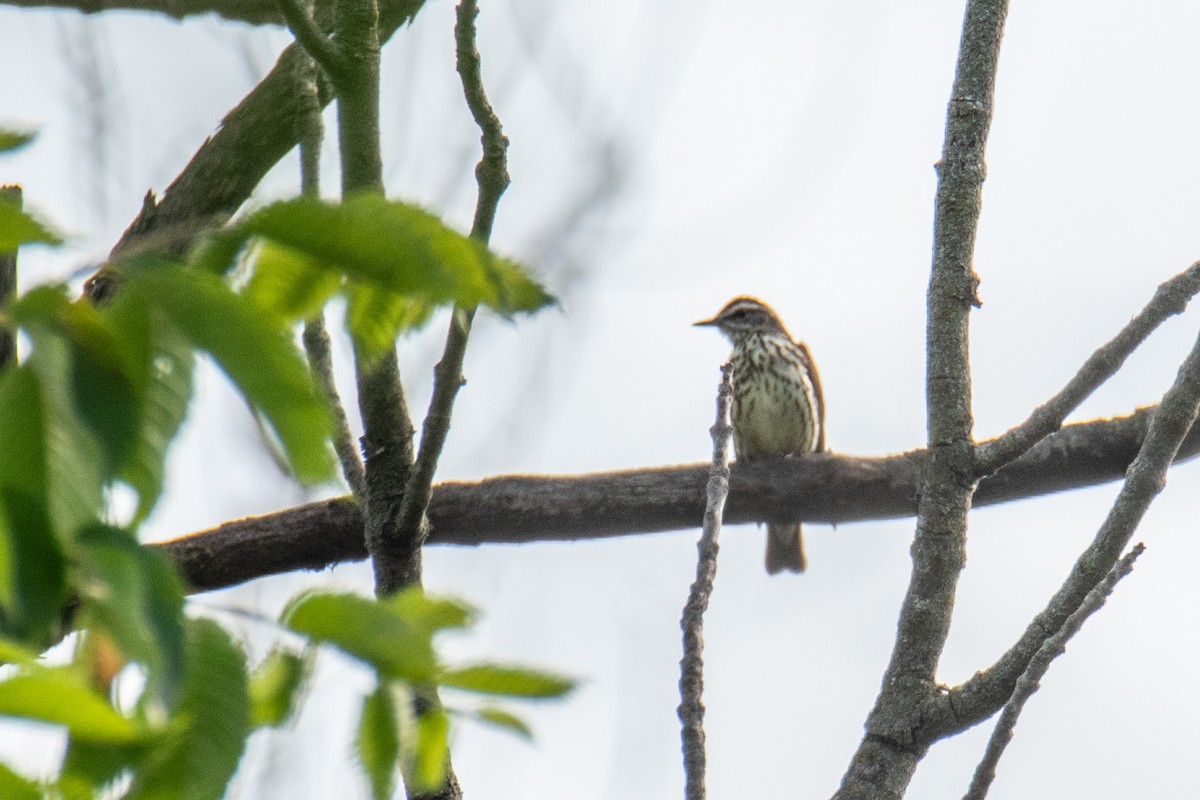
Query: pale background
(783, 149)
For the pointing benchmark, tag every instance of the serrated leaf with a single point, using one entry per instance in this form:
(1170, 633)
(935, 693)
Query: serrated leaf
(18, 228)
(17, 787)
(504, 680)
(12, 140)
(400, 247)
(74, 460)
(274, 687)
(378, 741)
(127, 377)
(59, 697)
(257, 354)
(164, 405)
(371, 630)
(198, 754)
(134, 594)
(501, 718)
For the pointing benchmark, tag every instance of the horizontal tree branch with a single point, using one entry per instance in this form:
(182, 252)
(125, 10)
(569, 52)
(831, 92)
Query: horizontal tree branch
(520, 509)
(256, 12)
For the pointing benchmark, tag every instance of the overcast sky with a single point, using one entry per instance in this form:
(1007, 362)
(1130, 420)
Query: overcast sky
(666, 157)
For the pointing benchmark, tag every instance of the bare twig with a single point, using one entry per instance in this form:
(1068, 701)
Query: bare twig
(979, 697)
(492, 176)
(884, 763)
(1029, 682)
(691, 667)
(526, 509)
(8, 283)
(309, 34)
(320, 362)
(1171, 298)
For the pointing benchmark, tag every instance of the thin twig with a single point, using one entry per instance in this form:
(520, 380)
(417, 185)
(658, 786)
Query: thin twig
(327, 53)
(980, 696)
(1030, 680)
(1171, 298)
(320, 363)
(492, 176)
(8, 283)
(691, 666)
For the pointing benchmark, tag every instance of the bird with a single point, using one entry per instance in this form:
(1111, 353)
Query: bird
(778, 407)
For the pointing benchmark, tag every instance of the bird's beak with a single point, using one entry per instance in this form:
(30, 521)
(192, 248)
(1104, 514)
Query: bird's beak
(703, 322)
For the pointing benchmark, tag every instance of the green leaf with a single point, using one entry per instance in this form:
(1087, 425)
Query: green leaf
(288, 283)
(430, 613)
(255, 351)
(164, 403)
(13, 140)
(378, 741)
(275, 686)
(126, 373)
(33, 584)
(198, 753)
(18, 228)
(427, 771)
(400, 247)
(74, 461)
(375, 316)
(18, 787)
(493, 715)
(372, 630)
(59, 696)
(134, 594)
(16, 653)
(504, 680)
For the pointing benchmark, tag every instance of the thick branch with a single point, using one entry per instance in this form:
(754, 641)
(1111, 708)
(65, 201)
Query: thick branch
(884, 763)
(522, 509)
(253, 137)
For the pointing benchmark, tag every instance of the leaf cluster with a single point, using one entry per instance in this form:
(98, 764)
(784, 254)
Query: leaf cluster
(155, 704)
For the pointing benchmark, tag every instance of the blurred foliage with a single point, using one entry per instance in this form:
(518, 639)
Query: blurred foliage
(94, 403)
(394, 263)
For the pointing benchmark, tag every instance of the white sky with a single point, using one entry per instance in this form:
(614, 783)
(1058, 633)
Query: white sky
(777, 148)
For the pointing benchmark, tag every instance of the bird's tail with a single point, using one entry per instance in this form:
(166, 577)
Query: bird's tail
(785, 548)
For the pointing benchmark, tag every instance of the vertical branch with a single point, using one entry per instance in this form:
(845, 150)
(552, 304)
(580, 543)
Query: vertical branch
(387, 428)
(889, 753)
(317, 346)
(492, 176)
(8, 283)
(691, 666)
